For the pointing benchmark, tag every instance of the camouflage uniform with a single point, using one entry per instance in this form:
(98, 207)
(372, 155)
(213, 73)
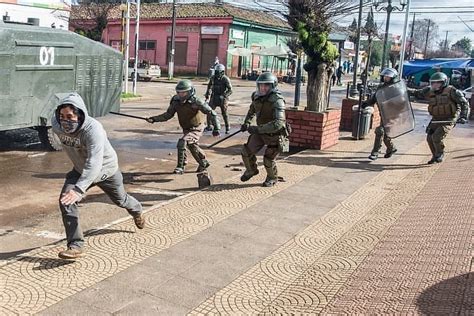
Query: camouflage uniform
(445, 107)
(270, 131)
(191, 118)
(219, 89)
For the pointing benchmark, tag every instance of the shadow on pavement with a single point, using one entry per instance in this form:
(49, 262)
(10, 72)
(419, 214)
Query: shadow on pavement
(453, 296)
(7, 255)
(46, 263)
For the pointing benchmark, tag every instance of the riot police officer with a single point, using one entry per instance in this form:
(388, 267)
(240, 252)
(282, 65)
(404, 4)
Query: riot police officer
(191, 111)
(269, 108)
(445, 104)
(218, 91)
(387, 77)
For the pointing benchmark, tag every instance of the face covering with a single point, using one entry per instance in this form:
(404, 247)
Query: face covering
(69, 126)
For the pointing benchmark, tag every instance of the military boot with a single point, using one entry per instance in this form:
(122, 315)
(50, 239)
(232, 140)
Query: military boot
(390, 152)
(182, 158)
(226, 122)
(272, 172)
(203, 165)
(250, 163)
(373, 156)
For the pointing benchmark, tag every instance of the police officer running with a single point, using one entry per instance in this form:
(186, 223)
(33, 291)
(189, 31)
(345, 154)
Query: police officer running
(219, 89)
(445, 104)
(387, 77)
(269, 108)
(191, 111)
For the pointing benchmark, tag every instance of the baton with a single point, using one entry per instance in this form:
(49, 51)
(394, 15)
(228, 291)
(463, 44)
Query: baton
(223, 139)
(128, 115)
(442, 122)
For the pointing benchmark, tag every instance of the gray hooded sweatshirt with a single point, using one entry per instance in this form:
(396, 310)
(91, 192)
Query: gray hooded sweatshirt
(88, 148)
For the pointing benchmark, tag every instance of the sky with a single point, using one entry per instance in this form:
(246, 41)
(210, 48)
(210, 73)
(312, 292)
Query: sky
(447, 17)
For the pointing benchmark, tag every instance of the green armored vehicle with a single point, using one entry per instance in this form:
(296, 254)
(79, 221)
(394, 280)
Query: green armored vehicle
(38, 66)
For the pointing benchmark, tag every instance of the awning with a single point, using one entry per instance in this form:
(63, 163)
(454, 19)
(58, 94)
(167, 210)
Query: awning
(278, 51)
(413, 67)
(240, 51)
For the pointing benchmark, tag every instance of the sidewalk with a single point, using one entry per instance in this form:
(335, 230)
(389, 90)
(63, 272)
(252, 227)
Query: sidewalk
(339, 236)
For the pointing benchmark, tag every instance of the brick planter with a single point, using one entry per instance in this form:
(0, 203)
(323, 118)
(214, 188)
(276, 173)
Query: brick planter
(346, 115)
(313, 129)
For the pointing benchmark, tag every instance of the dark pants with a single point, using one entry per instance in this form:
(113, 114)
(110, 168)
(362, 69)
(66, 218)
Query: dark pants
(379, 135)
(112, 186)
(436, 134)
(223, 105)
(254, 144)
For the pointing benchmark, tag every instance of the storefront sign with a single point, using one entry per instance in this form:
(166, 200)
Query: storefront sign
(212, 30)
(238, 34)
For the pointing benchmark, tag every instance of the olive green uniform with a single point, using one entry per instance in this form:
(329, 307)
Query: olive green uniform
(219, 89)
(191, 116)
(272, 132)
(444, 107)
(380, 131)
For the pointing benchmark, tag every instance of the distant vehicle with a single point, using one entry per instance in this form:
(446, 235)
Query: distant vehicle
(468, 93)
(146, 71)
(39, 66)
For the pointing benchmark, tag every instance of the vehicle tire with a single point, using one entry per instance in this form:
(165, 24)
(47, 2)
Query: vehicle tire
(49, 140)
(147, 79)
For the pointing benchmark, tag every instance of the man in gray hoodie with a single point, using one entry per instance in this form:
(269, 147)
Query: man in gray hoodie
(95, 163)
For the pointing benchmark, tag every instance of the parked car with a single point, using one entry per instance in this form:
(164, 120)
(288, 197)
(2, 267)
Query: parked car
(146, 70)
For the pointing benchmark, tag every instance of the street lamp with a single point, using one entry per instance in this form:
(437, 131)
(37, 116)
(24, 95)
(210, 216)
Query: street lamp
(386, 5)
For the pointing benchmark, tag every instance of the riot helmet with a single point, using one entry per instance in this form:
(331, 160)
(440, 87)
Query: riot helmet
(266, 83)
(438, 81)
(391, 74)
(219, 70)
(185, 90)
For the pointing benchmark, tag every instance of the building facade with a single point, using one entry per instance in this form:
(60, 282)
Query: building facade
(204, 31)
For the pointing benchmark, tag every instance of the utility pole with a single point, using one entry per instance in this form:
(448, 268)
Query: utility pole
(410, 52)
(137, 32)
(127, 45)
(446, 41)
(356, 62)
(404, 38)
(172, 48)
(427, 37)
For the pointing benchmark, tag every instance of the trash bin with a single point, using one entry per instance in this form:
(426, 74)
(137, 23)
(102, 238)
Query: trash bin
(365, 117)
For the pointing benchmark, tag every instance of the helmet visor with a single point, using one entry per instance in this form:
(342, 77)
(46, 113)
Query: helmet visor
(264, 88)
(436, 85)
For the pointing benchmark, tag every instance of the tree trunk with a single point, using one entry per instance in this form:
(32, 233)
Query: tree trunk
(318, 87)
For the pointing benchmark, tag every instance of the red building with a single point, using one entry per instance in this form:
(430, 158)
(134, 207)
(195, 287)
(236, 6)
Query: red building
(202, 32)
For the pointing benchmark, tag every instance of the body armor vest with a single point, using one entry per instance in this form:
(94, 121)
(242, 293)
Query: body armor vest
(264, 109)
(441, 106)
(189, 115)
(218, 86)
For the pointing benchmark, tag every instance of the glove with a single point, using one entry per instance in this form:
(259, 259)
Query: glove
(462, 120)
(244, 127)
(150, 120)
(364, 105)
(252, 129)
(216, 133)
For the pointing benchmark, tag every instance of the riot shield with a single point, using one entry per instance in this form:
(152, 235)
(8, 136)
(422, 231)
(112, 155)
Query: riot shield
(395, 109)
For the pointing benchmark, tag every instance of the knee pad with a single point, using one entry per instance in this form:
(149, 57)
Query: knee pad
(379, 131)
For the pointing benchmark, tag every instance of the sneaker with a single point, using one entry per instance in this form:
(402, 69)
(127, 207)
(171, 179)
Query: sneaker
(71, 253)
(269, 182)
(248, 175)
(139, 221)
(203, 167)
(178, 170)
(208, 129)
(390, 153)
(374, 156)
